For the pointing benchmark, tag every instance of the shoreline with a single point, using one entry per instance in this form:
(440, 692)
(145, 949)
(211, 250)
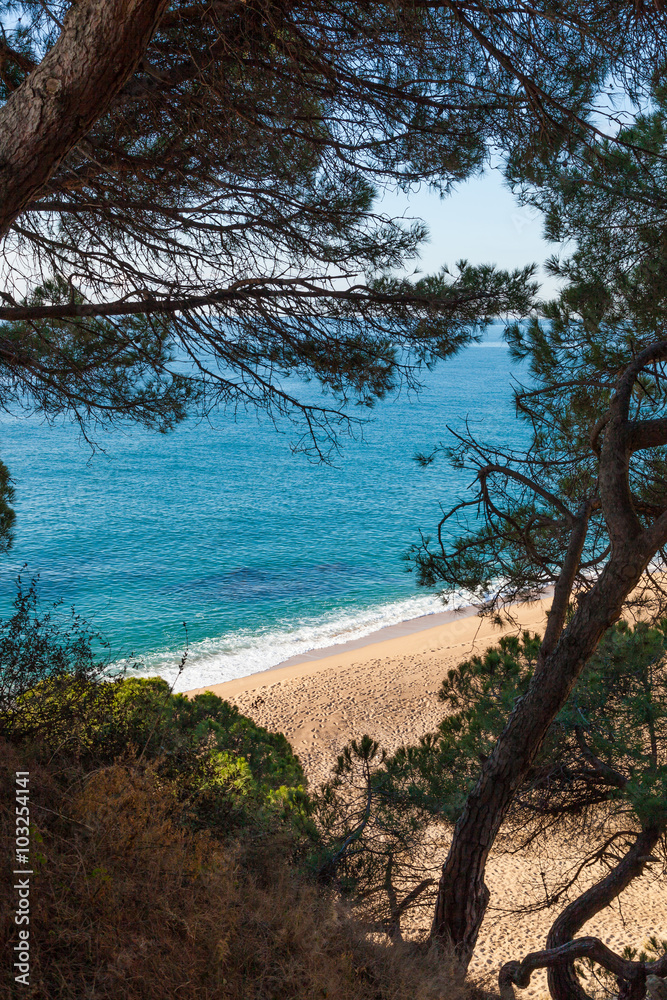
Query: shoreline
(419, 624)
(422, 623)
(460, 629)
(426, 622)
(387, 688)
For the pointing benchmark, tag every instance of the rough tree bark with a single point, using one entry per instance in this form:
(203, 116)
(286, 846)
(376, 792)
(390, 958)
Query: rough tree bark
(563, 981)
(634, 976)
(99, 48)
(462, 894)
(562, 949)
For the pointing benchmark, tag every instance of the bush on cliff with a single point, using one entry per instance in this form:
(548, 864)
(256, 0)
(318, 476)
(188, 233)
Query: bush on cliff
(164, 833)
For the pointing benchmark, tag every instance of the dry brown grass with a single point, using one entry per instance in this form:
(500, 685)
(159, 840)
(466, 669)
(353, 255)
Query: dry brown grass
(127, 904)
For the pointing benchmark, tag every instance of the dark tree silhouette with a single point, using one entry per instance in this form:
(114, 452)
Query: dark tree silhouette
(584, 508)
(598, 783)
(599, 780)
(187, 189)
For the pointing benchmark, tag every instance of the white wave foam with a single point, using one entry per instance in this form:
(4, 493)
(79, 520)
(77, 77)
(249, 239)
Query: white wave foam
(244, 652)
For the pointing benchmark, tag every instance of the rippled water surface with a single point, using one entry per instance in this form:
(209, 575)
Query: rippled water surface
(263, 554)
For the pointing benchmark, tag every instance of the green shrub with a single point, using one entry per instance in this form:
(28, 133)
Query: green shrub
(59, 699)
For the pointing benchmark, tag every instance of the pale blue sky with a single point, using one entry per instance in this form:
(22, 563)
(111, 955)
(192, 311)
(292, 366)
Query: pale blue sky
(480, 221)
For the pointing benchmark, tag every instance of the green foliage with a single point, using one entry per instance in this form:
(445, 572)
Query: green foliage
(620, 706)
(108, 370)
(608, 203)
(56, 697)
(44, 653)
(226, 770)
(482, 691)
(606, 752)
(206, 717)
(653, 949)
(7, 515)
(607, 747)
(511, 534)
(437, 773)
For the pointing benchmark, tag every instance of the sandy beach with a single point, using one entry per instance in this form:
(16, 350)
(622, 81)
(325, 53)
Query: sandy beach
(388, 689)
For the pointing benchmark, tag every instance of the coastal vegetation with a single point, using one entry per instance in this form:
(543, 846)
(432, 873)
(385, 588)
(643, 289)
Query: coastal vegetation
(165, 825)
(583, 509)
(188, 215)
(171, 842)
(597, 784)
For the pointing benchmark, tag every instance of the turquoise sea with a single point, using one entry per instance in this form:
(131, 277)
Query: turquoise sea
(263, 554)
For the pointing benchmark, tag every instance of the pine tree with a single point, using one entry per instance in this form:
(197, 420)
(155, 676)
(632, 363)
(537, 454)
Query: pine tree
(583, 509)
(199, 199)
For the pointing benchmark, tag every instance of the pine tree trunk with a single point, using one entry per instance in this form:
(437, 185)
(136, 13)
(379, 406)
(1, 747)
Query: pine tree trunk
(563, 982)
(99, 48)
(462, 894)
